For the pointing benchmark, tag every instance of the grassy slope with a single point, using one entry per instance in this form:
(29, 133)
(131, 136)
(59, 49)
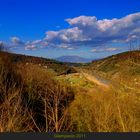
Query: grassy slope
(123, 62)
(93, 109)
(115, 109)
(123, 67)
(30, 99)
(57, 67)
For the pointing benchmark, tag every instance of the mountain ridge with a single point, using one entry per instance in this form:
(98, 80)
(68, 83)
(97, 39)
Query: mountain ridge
(73, 59)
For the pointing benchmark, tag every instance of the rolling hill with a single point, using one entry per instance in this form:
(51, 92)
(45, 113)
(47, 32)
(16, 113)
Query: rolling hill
(123, 67)
(121, 62)
(73, 59)
(52, 96)
(56, 66)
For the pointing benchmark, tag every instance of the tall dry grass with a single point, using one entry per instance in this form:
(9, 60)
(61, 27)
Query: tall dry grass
(46, 100)
(13, 117)
(30, 100)
(106, 112)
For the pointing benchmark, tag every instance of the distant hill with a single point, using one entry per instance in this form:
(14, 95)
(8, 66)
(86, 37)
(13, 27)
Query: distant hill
(73, 59)
(58, 67)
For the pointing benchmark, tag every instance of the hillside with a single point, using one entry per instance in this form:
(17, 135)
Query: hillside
(43, 95)
(116, 62)
(56, 66)
(123, 67)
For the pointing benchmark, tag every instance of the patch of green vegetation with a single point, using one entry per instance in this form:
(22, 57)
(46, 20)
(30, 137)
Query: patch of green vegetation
(75, 80)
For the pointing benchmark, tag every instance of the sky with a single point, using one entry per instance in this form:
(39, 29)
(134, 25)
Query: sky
(53, 28)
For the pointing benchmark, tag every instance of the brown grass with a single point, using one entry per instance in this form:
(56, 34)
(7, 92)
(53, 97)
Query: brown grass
(106, 112)
(32, 101)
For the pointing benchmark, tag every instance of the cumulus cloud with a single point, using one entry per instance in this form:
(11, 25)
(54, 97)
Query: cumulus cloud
(88, 30)
(109, 30)
(71, 35)
(32, 45)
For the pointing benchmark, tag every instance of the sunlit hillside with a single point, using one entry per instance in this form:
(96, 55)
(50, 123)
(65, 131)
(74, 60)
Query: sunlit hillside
(43, 95)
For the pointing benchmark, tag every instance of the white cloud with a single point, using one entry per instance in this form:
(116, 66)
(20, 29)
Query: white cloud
(94, 50)
(88, 30)
(30, 47)
(64, 46)
(112, 49)
(37, 41)
(70, 48)
(65, 36)
(16, 40)
(105, 49)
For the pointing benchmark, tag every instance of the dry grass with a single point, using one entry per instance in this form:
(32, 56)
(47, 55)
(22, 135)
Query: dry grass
(30, 100)
(106, 112)
(13, 116)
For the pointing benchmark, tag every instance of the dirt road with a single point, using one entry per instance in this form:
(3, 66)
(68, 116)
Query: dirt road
(95, 80)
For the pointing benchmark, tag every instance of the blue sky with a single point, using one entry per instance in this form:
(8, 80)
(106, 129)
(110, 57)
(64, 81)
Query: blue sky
(52, 28)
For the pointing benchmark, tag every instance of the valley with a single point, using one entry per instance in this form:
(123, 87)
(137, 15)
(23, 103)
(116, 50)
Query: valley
(101, 96)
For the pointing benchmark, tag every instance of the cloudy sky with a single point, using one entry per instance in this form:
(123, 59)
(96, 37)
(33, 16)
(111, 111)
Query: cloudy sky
(53, 28)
